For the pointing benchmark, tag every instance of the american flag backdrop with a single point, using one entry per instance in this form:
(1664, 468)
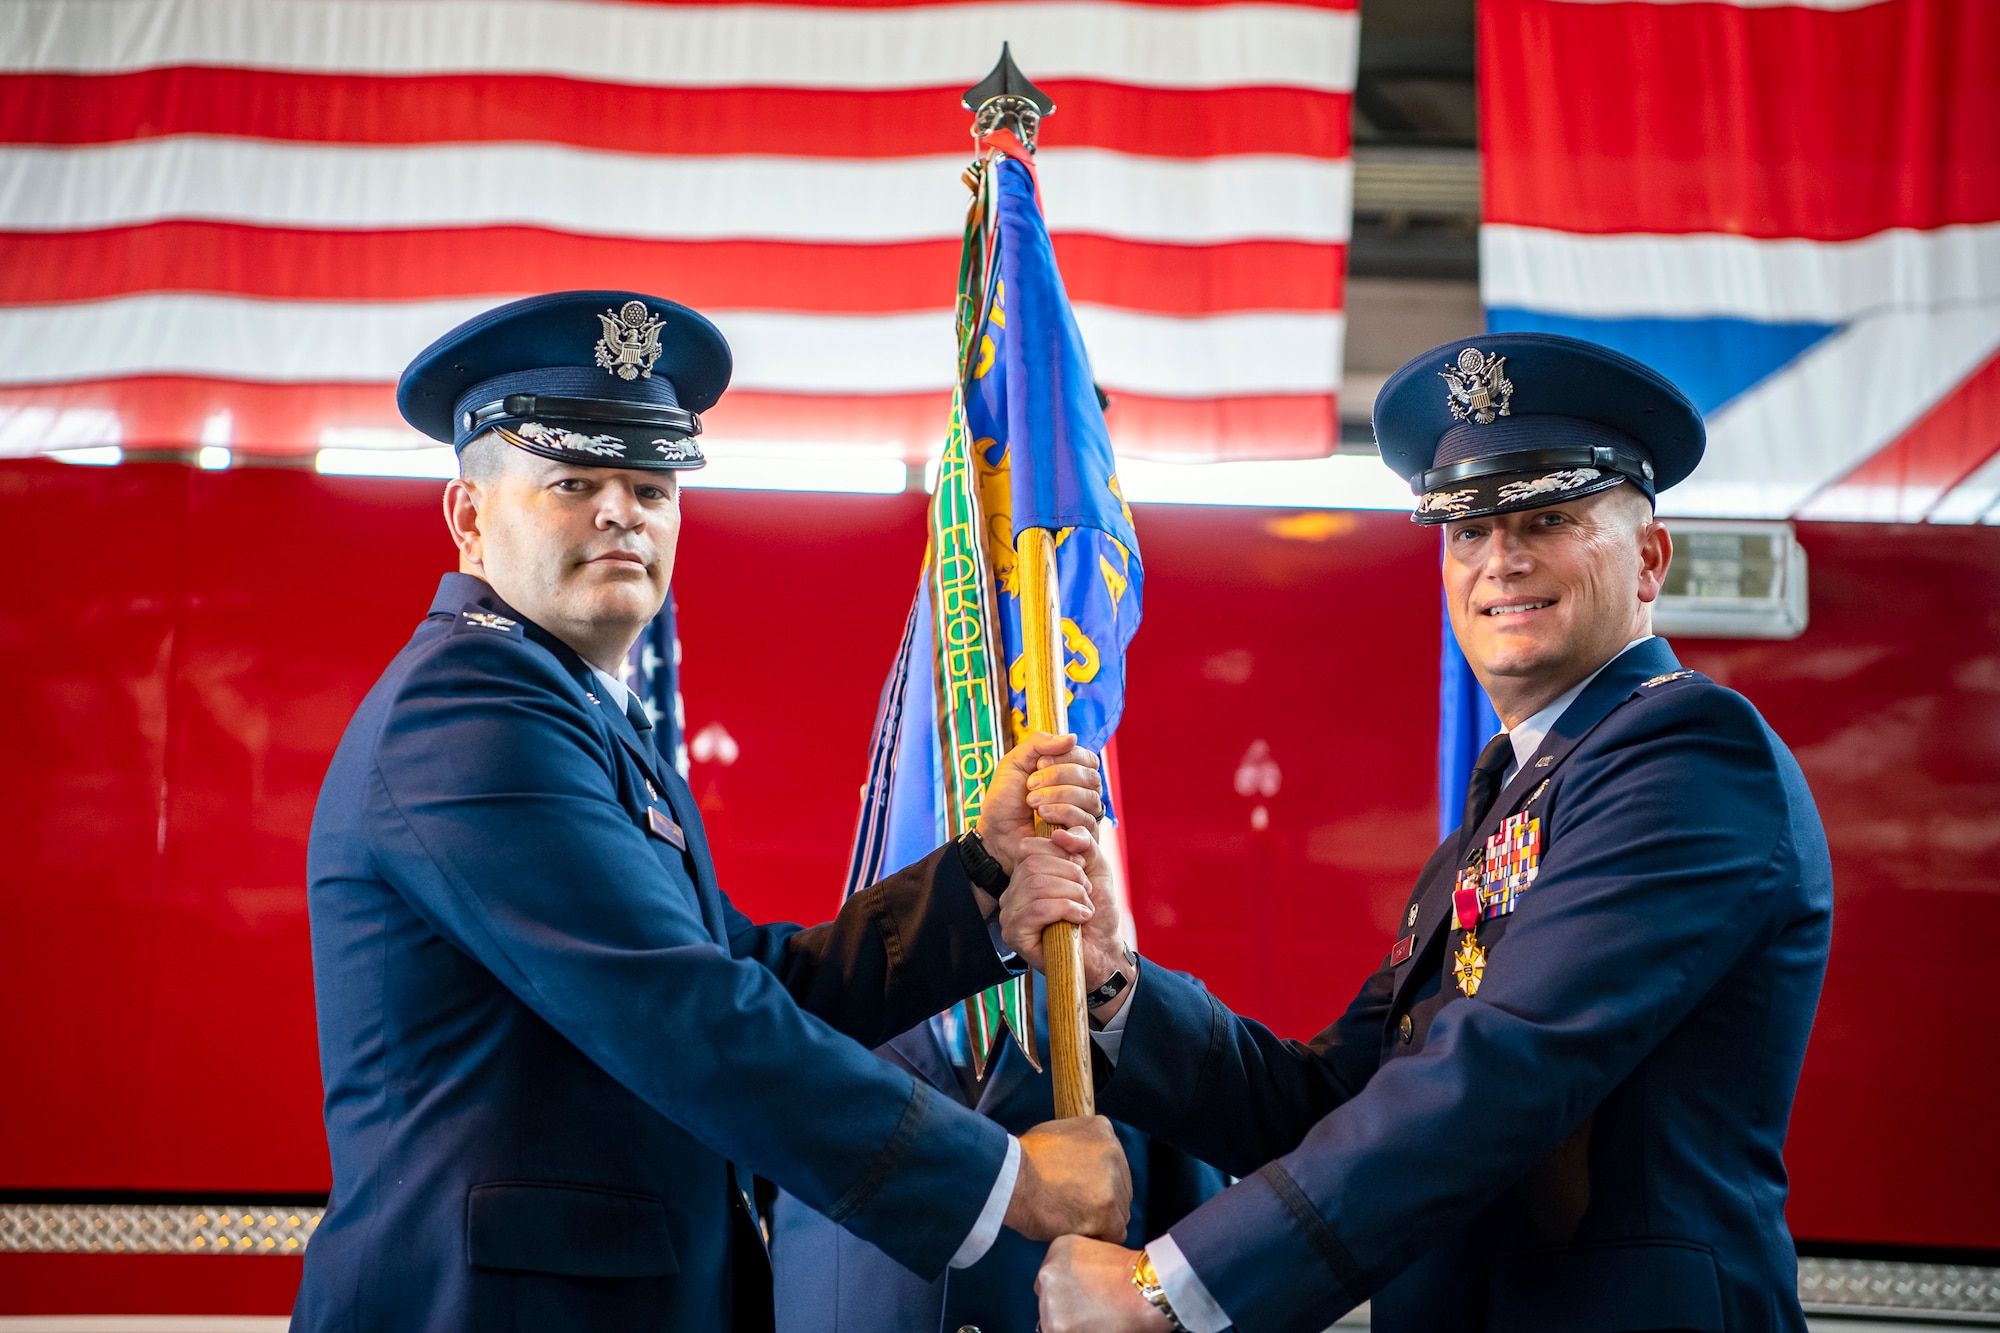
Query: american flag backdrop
(1792, 209)
(231, 222)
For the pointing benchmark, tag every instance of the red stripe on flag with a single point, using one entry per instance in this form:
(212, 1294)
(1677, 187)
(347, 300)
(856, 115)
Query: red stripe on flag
(484, 108)
(1904, 481)
(1769, 121)
(1204, 429)
(1221, 429)
(172, 411)
(40, 268)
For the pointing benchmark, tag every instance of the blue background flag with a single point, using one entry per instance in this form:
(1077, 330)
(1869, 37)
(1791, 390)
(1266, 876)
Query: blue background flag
(653, 673)
(1466, 721)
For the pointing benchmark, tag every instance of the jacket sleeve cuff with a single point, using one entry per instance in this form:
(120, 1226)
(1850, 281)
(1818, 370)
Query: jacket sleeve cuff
(1183, 1288)
(1156, 1083)
(1261, 1225)
(987, 1228)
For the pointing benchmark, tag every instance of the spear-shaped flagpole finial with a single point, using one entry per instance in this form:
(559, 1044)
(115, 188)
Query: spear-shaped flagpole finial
(1006, 100)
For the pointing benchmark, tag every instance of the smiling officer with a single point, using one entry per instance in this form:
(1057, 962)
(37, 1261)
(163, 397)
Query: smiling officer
(548, 1040)
(1560, 1102)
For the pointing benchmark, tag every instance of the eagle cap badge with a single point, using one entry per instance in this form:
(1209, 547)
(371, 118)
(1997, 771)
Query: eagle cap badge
(1479, 390)
(631, 341)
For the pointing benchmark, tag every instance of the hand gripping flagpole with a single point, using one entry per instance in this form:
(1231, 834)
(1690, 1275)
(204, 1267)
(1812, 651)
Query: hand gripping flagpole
(1006, 103)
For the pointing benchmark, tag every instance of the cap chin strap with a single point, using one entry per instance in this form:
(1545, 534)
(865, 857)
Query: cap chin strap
(1604, 457)
(608, 411)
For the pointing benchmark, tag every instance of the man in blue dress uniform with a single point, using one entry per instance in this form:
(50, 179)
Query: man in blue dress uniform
(1561, 1100)
(553, 1052)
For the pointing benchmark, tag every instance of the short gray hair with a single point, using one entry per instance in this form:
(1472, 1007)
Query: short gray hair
(483, 459)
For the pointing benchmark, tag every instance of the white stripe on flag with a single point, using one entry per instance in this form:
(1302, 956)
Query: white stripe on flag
(1190, 201)
(333, 341)
(1974, 499)
(1841, 402)
(710, 46)
(1218, 355)
(1698, 276)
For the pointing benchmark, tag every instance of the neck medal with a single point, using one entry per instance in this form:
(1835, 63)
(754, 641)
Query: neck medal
(1469, 963)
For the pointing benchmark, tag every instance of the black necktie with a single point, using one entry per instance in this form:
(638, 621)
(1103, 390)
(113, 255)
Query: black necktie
(635, 713)
(1484, 785)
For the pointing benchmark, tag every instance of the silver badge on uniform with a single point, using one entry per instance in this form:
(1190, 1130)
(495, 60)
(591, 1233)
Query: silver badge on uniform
(631, 341)
(1479, 390)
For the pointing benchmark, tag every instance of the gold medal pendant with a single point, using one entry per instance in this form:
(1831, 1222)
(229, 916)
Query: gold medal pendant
(1469, 963)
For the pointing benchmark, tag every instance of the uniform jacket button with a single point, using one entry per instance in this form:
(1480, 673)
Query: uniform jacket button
(1406, 1029)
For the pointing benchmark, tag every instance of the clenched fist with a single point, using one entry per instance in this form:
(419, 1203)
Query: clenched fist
(1074, 1181)
(1086, 1287)
(1044, 775)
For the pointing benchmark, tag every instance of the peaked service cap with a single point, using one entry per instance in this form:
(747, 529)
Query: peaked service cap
(597, 378)
(1510, 421)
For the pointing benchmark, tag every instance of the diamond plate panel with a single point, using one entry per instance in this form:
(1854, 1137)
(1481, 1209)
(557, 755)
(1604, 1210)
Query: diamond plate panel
(1963, 1293)
(157, 1228)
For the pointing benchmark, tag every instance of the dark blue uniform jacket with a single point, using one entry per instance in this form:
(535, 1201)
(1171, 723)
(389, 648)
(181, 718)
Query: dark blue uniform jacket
(545, 1035)
(1591, 1143)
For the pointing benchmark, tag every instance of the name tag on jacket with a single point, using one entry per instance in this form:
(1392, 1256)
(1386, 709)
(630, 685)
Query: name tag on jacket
(665, 829)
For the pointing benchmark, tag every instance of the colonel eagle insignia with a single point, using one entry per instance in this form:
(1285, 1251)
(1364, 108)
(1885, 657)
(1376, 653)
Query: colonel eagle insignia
(631, 341)
(1479, 390)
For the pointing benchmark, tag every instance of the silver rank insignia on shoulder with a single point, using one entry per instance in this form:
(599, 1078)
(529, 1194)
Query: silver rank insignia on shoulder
(487, 620)
(631, 341)
(1661, 680)
(1479, 390)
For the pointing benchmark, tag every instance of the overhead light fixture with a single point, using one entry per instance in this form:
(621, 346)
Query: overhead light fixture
(828, 469)
(96, 455)
(439, 463)
(1344, 481)
(1733, 580)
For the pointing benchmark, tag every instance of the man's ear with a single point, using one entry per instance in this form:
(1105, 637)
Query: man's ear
(461, 518)
(1656, 552)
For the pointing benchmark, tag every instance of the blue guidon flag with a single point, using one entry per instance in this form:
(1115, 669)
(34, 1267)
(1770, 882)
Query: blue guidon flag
(1026, 447)
(1034, 416)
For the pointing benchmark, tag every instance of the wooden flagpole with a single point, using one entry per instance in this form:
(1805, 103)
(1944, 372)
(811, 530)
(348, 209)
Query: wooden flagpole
(1062, 944)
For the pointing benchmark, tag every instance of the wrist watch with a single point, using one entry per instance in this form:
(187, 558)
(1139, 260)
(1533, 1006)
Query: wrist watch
(1114, 985)
(980, 867)
(1148, 1283)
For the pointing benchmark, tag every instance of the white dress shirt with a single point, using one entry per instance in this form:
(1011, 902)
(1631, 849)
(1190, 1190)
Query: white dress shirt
(1528, 737)
(1178, 1281)
(986, 1227)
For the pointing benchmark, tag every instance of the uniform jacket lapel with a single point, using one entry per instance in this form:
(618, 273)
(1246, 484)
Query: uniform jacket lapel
(920, 1052)
(681, 802)
(1613, 686)
(458, 589)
